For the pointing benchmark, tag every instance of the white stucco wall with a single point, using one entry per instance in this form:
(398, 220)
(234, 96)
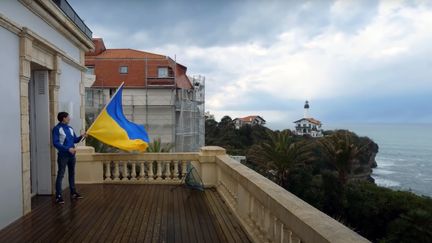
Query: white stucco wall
(21, 15)
(69, 94)
(154, 96)
(10, 130)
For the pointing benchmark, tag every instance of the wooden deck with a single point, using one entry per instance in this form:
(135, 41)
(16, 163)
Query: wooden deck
(129, 213)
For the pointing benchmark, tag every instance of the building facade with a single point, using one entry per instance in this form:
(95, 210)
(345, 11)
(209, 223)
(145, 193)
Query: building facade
(249, 120)
(308, 125)
(42, 62)
(158, 93)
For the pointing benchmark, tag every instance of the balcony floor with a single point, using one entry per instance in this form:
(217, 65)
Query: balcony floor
(129, 213)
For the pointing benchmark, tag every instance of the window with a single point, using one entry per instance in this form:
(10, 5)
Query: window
(89, 97)
(90, 70)
(112, 92)
(123, 69)
(162, 72)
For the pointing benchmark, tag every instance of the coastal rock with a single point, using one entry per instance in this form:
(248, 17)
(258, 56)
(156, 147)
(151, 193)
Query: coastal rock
(361, 168)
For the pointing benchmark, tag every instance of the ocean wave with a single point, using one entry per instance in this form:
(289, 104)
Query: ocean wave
(386, 182)
(379, 172)
(397, 159)
(384, 163)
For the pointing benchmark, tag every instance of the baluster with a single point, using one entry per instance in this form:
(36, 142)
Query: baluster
(116, 170)
(142, 175)
(261, 218)
(159, 170)
(271, 226)
(257, 218)
(125, 171)
(168, 170)
(133, 172)
(251, 210)
(107, 170)
(176, 171)
(295, 239)
(150, 170)
(287, 234)
(184, 169)
(278, 231)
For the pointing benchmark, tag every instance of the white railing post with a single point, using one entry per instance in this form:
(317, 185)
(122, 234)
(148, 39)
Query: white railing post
(142, 171)
(125, 171)
(159, 170)
(278, 231)
(107, 170)
(133, 172)
(168, 170)
(116, 171)
(184, 168)
(150, 170)
(176, 171)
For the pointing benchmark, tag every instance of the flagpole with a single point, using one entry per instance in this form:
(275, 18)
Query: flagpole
(118, 89)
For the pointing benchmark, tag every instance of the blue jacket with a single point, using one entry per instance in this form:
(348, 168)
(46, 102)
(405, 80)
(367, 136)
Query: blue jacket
(64, 138)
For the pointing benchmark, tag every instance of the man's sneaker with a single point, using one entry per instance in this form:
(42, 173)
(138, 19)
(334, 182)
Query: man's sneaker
(76, 196)
(59, 200)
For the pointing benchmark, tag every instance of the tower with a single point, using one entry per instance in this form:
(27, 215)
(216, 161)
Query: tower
(306, 109)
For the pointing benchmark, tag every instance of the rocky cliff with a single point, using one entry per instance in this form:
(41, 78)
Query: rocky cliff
(361, 168)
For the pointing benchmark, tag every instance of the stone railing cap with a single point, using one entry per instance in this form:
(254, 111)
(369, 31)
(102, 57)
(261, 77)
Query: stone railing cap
(212, 151)
(85, 150)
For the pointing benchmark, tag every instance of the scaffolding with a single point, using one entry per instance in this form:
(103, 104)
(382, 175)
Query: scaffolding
(190, 109)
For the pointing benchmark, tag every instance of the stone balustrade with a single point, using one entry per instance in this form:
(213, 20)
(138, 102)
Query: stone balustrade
(267, 212)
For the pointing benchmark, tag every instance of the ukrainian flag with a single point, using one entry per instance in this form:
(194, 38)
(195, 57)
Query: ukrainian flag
(112, 127)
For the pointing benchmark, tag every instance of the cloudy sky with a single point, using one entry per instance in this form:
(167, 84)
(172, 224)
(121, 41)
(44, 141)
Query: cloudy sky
(355, 61)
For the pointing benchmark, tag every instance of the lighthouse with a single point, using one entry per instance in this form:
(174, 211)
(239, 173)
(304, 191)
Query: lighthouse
(308, 125)
(306, 110)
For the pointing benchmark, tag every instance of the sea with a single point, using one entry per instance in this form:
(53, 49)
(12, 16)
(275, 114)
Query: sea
(405, 154)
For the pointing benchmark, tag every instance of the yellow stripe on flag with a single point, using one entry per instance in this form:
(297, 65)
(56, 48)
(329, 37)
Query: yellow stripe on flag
(108, 131)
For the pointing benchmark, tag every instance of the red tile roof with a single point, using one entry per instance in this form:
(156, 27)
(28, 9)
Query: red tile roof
(142, 68)
(128, 53)
(183, 82)
(248, 118)
(311, 120)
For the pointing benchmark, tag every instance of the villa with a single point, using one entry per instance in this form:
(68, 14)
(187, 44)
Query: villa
(249, 120)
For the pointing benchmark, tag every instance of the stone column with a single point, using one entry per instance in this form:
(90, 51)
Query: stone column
(26, 46)
(207, 164)
(54, 87)
(82, 94)
(88, 170)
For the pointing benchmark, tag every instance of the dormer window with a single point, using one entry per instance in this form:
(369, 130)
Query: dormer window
(90, 70)
(123, 69)
(163, 72)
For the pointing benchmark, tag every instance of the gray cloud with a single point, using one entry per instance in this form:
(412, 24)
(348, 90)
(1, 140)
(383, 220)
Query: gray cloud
(267, 57)
(201, 23)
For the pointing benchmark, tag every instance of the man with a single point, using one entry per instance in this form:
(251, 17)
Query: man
(64, 140)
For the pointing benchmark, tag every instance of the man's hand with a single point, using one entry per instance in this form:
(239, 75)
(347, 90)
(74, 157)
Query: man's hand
(84, 135)
(72, 150)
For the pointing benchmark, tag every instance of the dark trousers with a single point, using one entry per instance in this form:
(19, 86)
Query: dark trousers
(62, 162)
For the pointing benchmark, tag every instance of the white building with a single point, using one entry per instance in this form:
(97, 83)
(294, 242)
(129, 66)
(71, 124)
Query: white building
(308, 125)
(249, 120)
(41, 65)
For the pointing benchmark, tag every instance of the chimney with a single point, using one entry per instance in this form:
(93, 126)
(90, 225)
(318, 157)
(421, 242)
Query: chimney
(99, 47)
